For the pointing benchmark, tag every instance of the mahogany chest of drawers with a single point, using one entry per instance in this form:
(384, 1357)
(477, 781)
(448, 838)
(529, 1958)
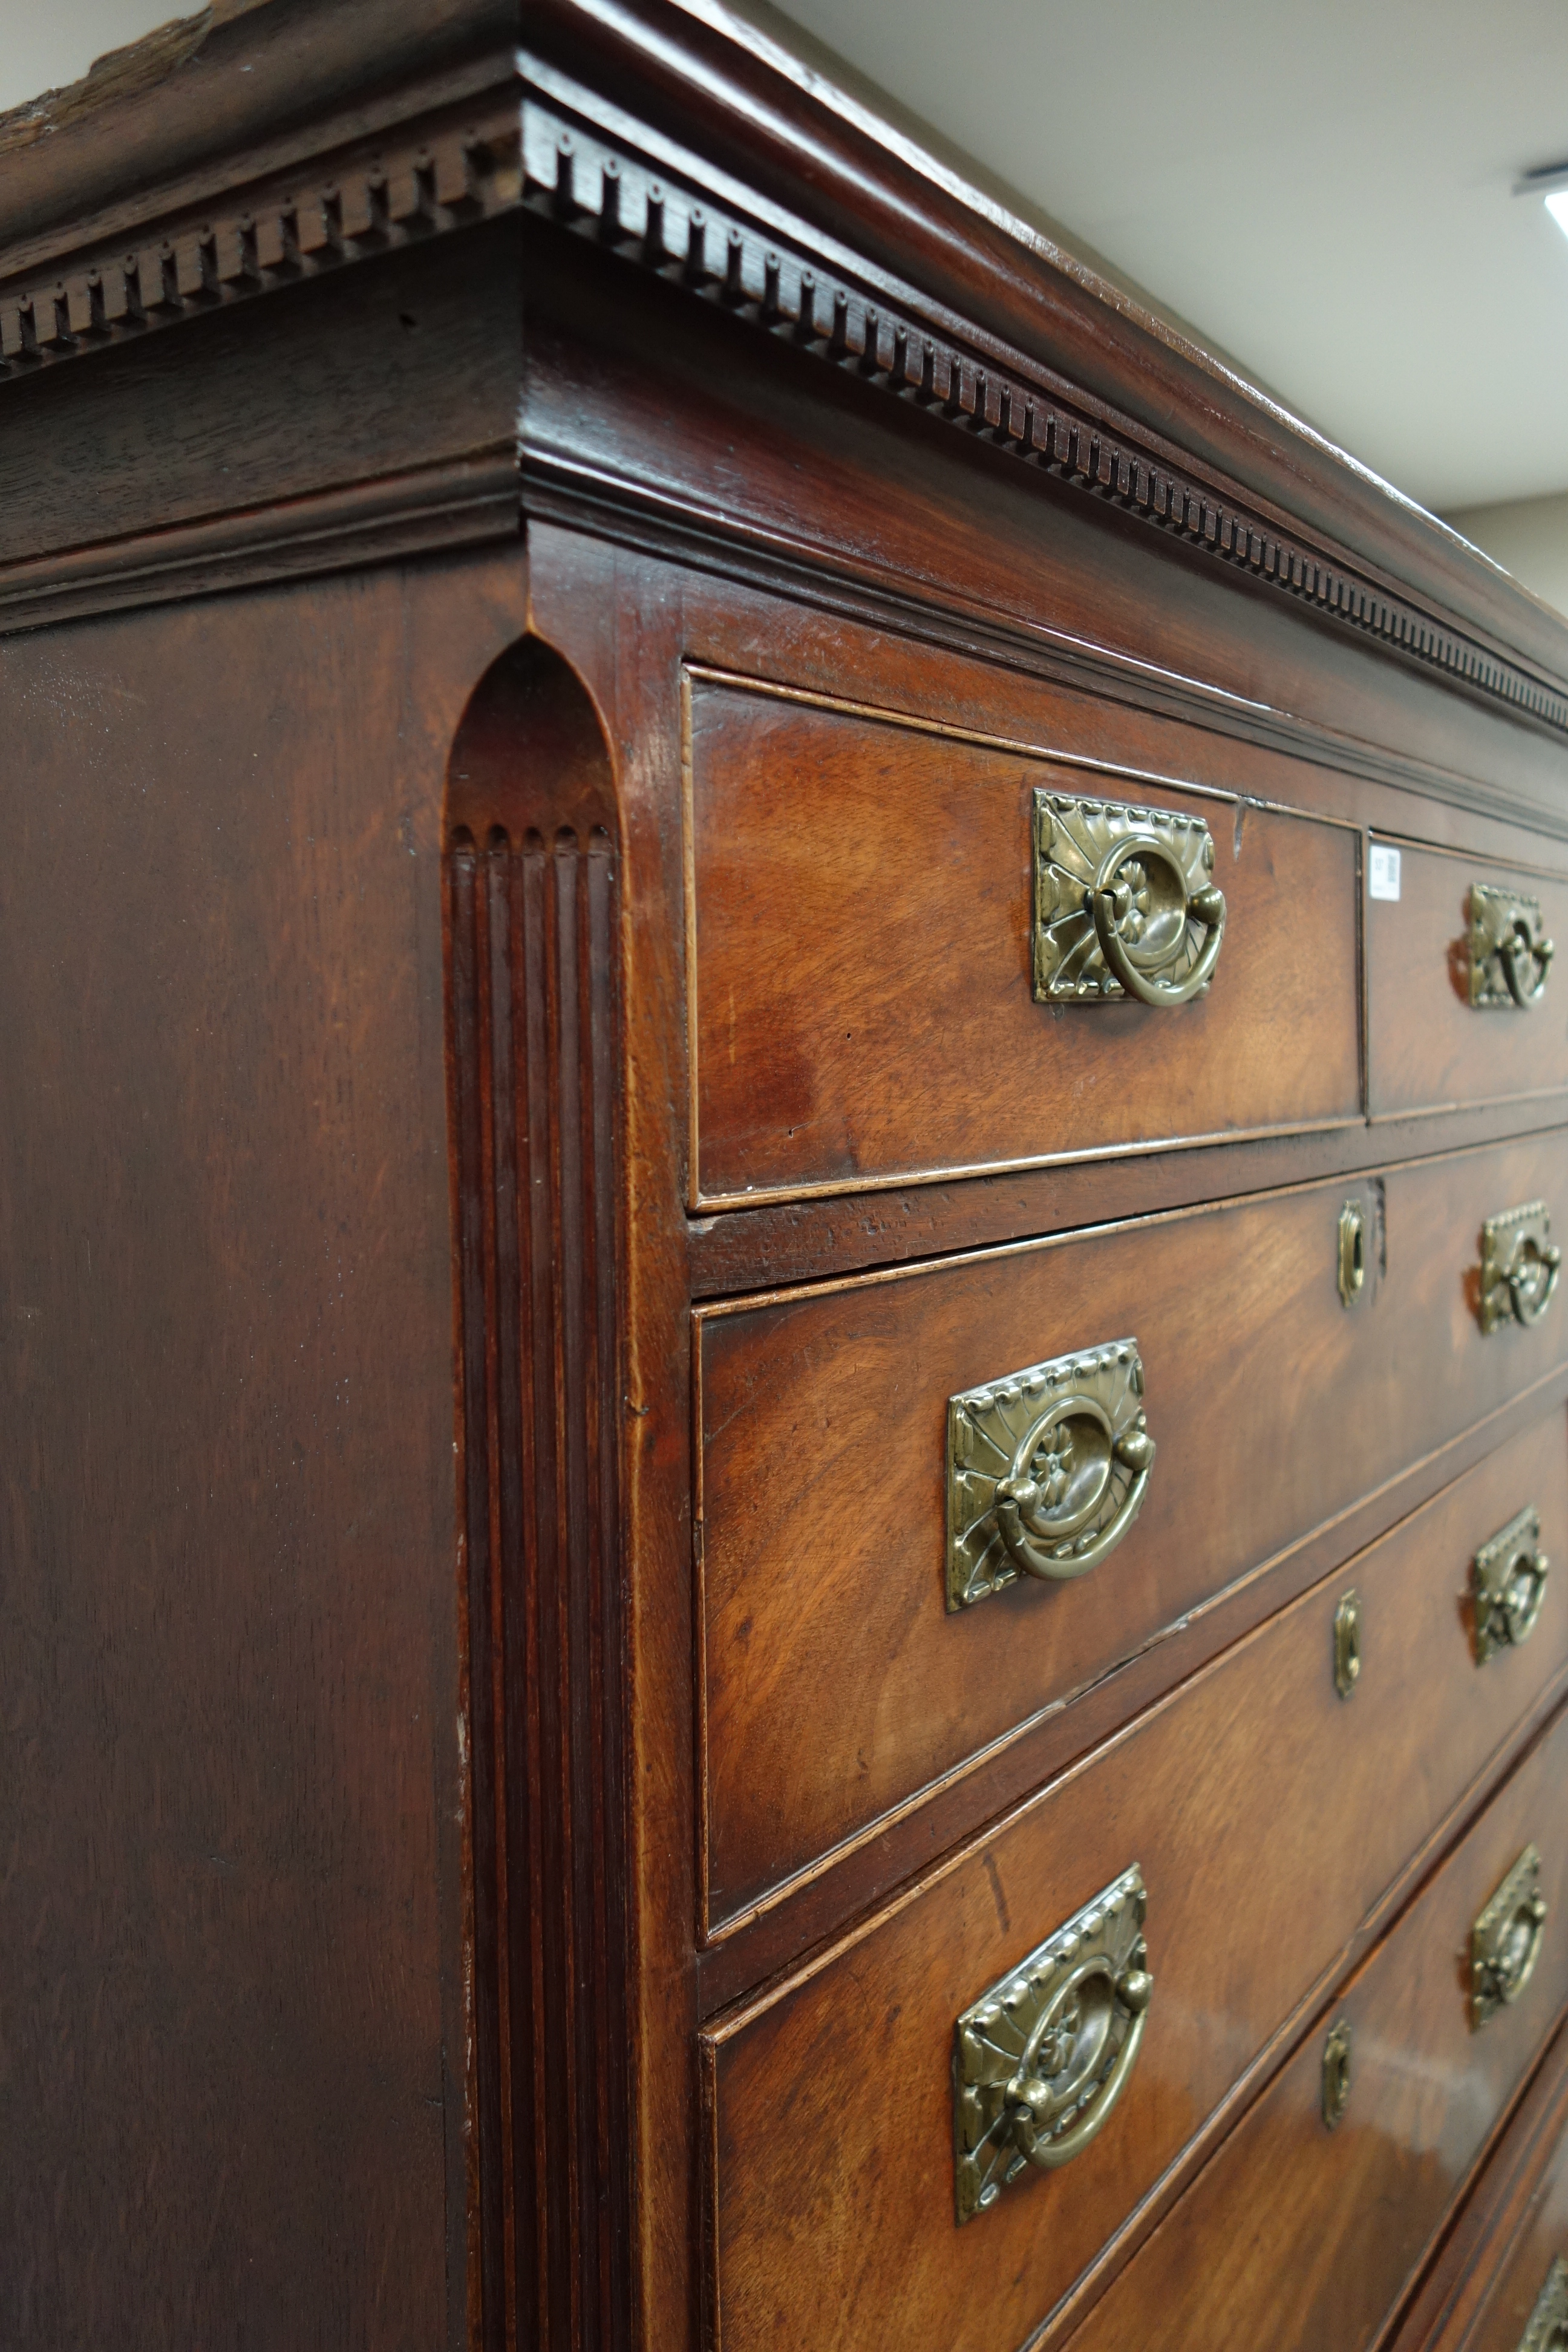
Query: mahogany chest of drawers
(787, 1128)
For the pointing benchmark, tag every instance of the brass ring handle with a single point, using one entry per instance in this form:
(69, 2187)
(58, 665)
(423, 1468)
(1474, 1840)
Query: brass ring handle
(1047, 1470)
(1043, 2055)
(1533, 1279)
(1143, 928)
(1509, 954)
(1508, 1585)
(1517, 950)
(1065, 2087)
(1520, 1266)
(1506, 1940)
(1044, 1538)
(1526, 1590)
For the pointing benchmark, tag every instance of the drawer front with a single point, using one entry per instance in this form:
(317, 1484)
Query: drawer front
(1430, 1047)
(1265, 1814)
(1302, 2238)
(1532, 2281)
(863, 1011)
(838, 1681)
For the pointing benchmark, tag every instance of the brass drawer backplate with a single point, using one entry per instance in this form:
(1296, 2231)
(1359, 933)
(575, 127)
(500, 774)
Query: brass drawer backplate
(1505, 1942)
(1041, 2059)
(1547, 2328)
(1125, 903)
(1047, 1470)
(1509, 954)
(1508, 1585)
(1520, 1266)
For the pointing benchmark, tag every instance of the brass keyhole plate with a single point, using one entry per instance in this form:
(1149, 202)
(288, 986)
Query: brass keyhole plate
(1353, 1251)
(1337, 2051)
(1347, 1643)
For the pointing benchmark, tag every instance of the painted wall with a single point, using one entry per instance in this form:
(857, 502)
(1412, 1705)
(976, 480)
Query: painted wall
(1529, 537)
(50, 48)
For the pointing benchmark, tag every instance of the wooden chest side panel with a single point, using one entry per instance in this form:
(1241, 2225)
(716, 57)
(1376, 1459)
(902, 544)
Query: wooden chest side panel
(230, 1934)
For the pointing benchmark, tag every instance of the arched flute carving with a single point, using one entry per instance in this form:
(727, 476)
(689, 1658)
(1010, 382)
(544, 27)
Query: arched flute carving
(530, 882)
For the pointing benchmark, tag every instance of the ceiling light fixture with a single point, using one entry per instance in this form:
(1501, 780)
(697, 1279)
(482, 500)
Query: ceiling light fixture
(1551, 181)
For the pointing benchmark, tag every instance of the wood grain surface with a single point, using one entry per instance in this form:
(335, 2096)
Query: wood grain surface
(1543, 2240)
(1268, 1816)
(1337, 2223)
(636, 401)
(837, 1684)
(787, 137)
(385, 1628)
(863, 1007)
(534, 1055)
(231, 1924)
(1429, 1048)
(1458, 2284)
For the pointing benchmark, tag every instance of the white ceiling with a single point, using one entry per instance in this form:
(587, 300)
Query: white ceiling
(1321, 186)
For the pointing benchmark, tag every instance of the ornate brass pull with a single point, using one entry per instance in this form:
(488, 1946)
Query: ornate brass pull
(1047, 1470)
(1505, 1942)
(1518, 1266)
(1337, 2073)
(1547, 2328)
(1510, 959)
(1508, 1585)
(1347, 1645)
(1142, 921)
(1042, 2058)
(1125, 903)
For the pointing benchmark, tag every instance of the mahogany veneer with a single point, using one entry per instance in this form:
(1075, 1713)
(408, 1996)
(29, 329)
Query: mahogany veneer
(537, 592)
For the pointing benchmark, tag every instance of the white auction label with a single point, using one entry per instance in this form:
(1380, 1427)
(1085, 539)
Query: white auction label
(1383, 872)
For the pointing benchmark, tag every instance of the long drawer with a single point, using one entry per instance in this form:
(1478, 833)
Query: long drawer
(1444, 961)
(1524, 2306)
(842, 1671)
(1267, 1815)
(1302, 2236)
(872, 910)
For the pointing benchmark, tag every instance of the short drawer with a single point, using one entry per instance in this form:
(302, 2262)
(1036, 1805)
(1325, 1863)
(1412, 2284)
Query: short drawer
(862, 967)
(1302, 2237)
(1266, 1816)
(1445, 1026)
(838, 1680)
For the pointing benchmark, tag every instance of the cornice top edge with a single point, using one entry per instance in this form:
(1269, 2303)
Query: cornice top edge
(1029, 237)
(275, 80)
(592, 170)
(279, 218)
(484, 91)
(711, 85)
